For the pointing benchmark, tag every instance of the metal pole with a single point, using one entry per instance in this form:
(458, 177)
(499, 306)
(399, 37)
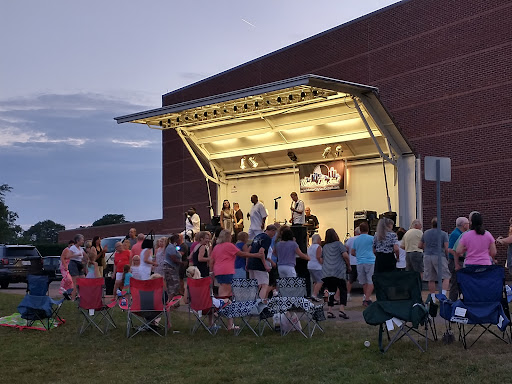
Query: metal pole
(440, 240)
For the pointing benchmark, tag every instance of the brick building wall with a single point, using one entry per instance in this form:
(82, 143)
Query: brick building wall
(443, 68)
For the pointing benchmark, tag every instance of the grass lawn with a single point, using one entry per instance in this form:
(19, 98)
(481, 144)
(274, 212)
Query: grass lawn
(338, 355)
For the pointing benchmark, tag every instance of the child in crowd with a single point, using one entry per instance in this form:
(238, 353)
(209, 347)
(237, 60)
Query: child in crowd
(92, 266)
(135, 267)
(126, 279)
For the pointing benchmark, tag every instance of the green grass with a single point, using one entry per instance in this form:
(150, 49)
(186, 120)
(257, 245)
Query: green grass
(338, 355)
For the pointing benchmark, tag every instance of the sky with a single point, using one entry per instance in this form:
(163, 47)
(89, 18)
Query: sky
(68, 68)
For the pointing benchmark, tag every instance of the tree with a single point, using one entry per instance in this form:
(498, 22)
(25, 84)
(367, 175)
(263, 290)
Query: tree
(110, 218)
(9, 231)
(44, 232)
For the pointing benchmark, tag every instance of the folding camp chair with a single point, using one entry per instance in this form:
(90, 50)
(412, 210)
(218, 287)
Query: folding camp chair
(200, 304)
(399, 303)
(294, 307)
(148, 306)
(37, 305)
(247, 304)
(91, 305)
(483, 304)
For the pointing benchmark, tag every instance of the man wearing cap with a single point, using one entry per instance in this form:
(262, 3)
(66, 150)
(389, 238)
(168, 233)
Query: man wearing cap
(257, 270)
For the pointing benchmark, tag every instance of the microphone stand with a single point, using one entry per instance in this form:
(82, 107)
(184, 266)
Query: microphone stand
(276, 205)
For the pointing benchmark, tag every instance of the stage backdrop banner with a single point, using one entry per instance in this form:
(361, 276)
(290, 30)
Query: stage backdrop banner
(322, 177)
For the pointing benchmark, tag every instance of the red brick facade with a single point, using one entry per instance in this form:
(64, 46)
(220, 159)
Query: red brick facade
(443, 68)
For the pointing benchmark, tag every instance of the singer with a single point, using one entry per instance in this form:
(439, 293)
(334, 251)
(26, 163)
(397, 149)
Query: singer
(297, 210)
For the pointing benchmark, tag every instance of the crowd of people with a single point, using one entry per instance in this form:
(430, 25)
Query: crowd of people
(268, 252)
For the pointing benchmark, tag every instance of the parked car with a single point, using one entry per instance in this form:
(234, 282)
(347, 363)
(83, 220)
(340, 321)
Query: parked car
(51, 267)
(18, 261)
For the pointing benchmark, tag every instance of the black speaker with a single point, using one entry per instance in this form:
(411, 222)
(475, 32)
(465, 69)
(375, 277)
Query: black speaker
(389, 215)
(358, 222)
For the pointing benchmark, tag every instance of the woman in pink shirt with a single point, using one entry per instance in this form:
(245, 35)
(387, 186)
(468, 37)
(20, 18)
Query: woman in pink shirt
(478, 244)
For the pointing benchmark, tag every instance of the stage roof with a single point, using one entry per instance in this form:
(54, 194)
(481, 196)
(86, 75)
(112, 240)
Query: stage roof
(304, 115)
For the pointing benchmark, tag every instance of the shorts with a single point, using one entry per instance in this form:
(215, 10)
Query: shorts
(352, 275)
(240, 273)
(119, 276)
(365, 273)
(224, 279)
(75, 268)
(316, 275)
(431, 265)
(414, 261)
(286, 271)
(261, 276)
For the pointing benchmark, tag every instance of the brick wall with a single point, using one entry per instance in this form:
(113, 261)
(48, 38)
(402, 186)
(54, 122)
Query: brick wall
(443, 68)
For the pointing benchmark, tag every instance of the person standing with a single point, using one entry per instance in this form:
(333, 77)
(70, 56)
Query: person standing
(192, 223)
(461, 226)
(137, 247)
(413, 254)
(76, 261)
(311, 221)
(314, 266)
(226, 217)
(287, 251)
(238, 220)
(122, 257)
(132, 236)
(258, 215)
(362, 249)
(477, 243)
(401, 263)
(507, 241)
(146, 259)
(433, 247)
(257, 268)
(66, 284)
(100, 253)
(385, 246)
(199, 256)
(171, 266)
(352, 276)
(161, 244)
(335, 262)
(298, 210)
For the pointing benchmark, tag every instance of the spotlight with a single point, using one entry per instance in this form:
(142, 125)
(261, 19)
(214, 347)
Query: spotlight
(303, 95)
(268, 102)
(290, 97)
(186, 117)
(243, 162)
(235, 108)
(169, 120)
(292, 156)
(205, 114)
(196, 116)
(327, 152)
(315, 93)
(256, 104)
(160, 123)
(252, 161)
(279, 99)
(246, 106)
(215, 112)
(339, 151)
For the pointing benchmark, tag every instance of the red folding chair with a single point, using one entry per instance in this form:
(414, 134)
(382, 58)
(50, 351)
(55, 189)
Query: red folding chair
(148, 306)
(200, 304)
(92, 306)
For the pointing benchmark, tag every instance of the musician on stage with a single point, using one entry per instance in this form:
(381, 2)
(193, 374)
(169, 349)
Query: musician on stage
(311, 222)
(297, 210)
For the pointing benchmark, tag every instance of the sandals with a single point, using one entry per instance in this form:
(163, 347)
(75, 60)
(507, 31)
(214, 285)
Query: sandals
(330, 315)
(343, 315)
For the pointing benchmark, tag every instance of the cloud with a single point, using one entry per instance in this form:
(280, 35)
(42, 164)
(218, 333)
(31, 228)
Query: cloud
(10, 136)
(135, 144)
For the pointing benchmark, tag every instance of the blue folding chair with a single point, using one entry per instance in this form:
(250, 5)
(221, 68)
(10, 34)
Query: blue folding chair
(37, 305)
(483, 303)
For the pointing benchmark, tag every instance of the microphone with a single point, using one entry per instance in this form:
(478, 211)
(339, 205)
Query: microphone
(277, 198)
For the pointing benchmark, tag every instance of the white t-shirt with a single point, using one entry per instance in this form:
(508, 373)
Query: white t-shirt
(196, 223)
(77, 254)
(258, 213)
(401, 260)
(313, 263)
(348, 244)
(298, 218)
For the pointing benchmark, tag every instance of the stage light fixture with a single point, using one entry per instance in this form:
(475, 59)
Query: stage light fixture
(246, 106)
(279, 99)
(215, 112)
(205, 114)
(290, 97)
(186, 118)
(315, 93)
(339, 151)
(256, 104)
(292, 156)
(303, 95)
(252, 161)
(327, 152)
(235, 108)
(196, 116)
(243, 162)
(160, 123)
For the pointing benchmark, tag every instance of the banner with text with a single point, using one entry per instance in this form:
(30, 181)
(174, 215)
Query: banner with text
(322, 177)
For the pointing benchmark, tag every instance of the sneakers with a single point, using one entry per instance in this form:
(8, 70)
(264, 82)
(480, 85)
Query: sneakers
(349, 298)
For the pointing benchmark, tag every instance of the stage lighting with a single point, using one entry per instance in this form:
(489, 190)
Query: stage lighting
(292, 156)
(303, 95)
(160, 123)
(339, 150)
(252, 161)
(327, 152)
(279, 99)
(290, 97)
(243, 162)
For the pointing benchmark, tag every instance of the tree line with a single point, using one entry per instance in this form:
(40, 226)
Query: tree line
(43, 232)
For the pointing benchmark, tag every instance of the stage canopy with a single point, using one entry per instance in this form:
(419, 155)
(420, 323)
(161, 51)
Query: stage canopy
(301, 120)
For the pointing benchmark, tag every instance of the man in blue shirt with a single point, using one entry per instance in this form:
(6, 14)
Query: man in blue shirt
(362, 249)
(255, 267)
(461, 226)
